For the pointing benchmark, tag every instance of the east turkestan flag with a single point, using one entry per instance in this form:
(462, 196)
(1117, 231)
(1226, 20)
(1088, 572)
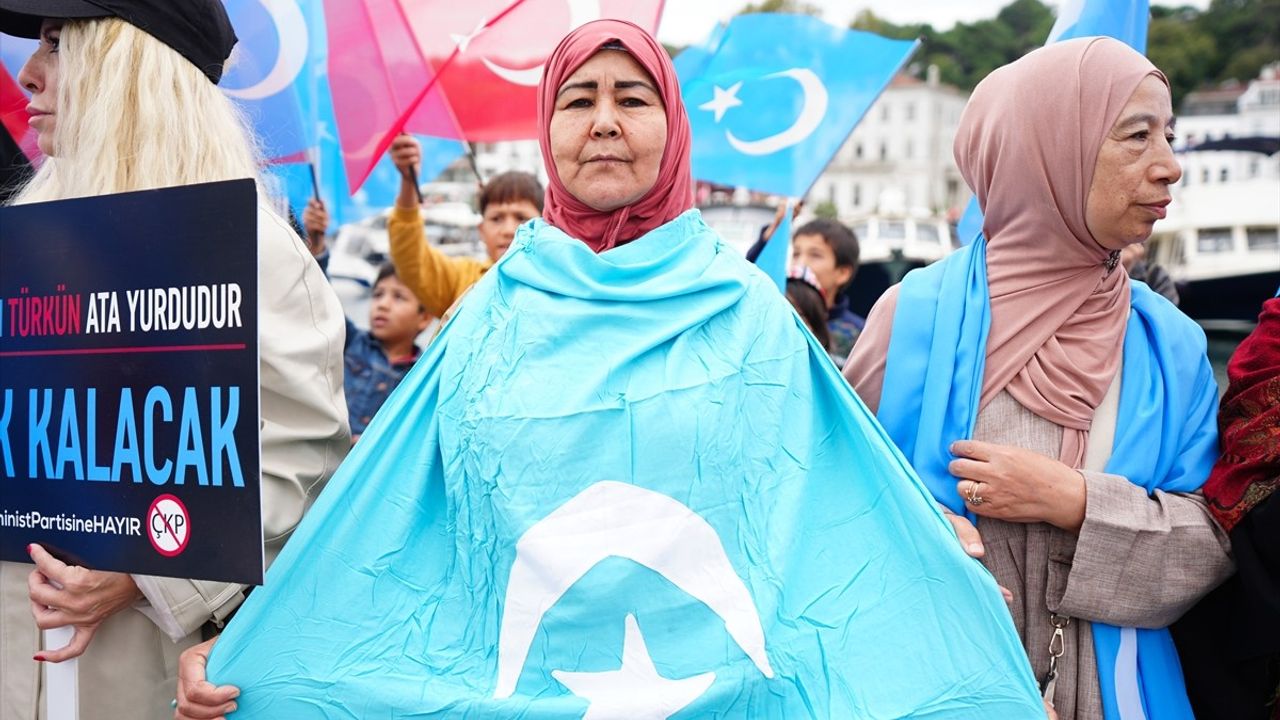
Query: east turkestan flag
(625, 485)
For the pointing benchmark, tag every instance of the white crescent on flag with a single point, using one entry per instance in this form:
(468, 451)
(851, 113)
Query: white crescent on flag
(811, 115)
(581, 12)
(291, 30)
(615, 519)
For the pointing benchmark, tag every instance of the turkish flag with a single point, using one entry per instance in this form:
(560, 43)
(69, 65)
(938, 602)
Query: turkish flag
(488, 57)
(377, 75)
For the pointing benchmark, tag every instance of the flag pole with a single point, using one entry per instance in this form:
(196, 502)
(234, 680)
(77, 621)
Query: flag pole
(316, 237)
(471, 158)
(315, 183)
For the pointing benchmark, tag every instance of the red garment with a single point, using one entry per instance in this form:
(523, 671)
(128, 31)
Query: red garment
(671, 195)
(1249, 424)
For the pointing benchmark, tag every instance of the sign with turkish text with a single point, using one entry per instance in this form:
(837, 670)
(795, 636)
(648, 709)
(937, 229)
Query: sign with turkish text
(129, 382)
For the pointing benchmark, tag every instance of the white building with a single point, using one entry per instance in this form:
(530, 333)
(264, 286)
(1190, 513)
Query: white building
(898, 160)
(1225, 113)
(498, 157)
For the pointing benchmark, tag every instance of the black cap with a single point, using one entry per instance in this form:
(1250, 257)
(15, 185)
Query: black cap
(198, 29)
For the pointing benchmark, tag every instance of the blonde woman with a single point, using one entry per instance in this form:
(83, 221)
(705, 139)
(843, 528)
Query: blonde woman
(118, 109)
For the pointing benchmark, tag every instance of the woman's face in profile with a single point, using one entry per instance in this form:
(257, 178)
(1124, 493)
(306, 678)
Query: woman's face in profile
(608, 131)
(1135, 168)
(40, 77)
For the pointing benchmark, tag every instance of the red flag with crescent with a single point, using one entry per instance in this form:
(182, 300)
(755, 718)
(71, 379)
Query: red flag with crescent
(489, 56)
(457, 70)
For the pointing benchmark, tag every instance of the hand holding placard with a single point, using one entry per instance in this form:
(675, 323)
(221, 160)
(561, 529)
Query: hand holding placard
(64, 595)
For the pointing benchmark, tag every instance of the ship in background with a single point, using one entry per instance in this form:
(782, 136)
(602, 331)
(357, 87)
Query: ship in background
(1221, 240)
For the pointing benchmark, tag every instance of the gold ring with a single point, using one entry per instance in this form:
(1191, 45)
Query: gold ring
(974, 498)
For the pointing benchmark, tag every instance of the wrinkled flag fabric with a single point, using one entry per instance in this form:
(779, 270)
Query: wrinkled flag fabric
(625, 484)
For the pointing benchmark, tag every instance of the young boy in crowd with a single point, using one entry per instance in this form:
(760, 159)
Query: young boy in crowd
(506, 202)
(377, 359)
(830, 250)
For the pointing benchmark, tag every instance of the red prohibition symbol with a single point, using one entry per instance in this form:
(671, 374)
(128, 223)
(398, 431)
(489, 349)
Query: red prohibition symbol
(168, 525)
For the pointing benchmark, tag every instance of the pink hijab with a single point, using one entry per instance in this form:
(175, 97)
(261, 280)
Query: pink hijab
(1027, 145)
(671, 195)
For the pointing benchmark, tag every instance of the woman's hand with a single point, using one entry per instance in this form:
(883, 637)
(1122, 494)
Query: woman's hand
(1017, 485)
(971, 541)
(64, 595)
(197, 697)
(406, 154)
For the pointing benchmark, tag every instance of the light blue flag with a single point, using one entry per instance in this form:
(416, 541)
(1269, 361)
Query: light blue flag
(269, 57)
(772, 97)
(776, 255)
(1124, 20)
(625, 484)
(1166, 437)
(15, 51)
(311, 88)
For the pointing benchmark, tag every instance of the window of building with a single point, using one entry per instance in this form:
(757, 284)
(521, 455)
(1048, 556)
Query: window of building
(928, 233)
(857, 195)
(857, 151)
(1204, 175)
(1223, 174)
(831, 193)
(884, 112)
(1263, 238)
(884, 150)
(911, 111)
(1254, 168)
(893, 230)
(1214, 240)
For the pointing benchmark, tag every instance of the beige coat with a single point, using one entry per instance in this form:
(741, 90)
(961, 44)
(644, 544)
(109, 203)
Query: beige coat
(129, 671)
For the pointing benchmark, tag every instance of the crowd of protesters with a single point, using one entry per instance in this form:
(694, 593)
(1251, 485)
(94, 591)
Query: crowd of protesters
(1091, 510)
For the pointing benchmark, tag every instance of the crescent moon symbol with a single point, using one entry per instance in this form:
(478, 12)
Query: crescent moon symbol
(581, 12)
(811, 115)
(291, 29)
(614, 519)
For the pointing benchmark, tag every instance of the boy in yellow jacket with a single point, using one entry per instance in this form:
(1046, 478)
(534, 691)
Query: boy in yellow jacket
(506, 202)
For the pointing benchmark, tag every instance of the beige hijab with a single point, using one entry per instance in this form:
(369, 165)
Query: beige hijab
(1027, 145)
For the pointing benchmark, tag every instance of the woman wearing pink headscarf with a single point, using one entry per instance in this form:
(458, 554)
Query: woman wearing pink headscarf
(1065, 411)
(623, 481)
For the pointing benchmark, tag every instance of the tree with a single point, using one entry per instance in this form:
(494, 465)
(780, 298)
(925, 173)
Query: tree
(782, 6)
(1182, 50)
(826, 210)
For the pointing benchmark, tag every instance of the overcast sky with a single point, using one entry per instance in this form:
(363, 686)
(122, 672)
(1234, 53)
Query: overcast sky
(685, 22)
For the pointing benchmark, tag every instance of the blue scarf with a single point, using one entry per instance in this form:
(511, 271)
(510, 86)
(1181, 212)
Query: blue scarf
(633, 459)
(1166, 432)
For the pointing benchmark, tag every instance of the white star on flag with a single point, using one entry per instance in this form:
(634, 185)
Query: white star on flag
(634, 691)
(462, 41)
(723, 100)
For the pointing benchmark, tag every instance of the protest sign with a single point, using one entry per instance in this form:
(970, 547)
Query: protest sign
(129, 382)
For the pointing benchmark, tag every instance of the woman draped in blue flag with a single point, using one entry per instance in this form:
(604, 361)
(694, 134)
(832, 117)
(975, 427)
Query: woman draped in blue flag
(1068, 412)
(622, 482)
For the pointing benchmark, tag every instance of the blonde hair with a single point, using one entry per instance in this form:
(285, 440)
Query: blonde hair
(133, 114)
